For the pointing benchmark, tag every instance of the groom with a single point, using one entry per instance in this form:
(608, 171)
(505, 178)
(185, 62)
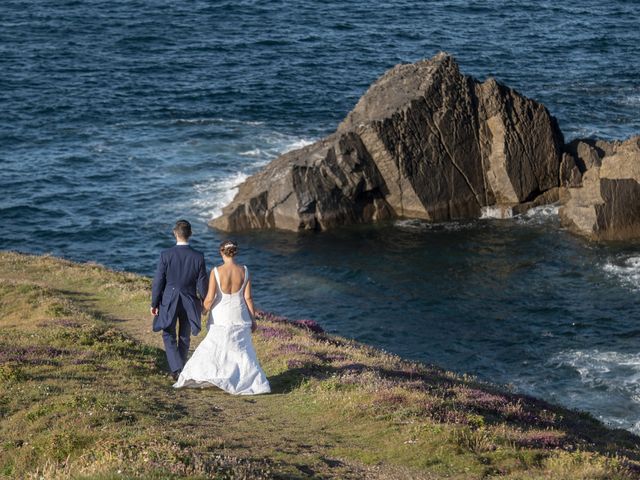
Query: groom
(180, 276)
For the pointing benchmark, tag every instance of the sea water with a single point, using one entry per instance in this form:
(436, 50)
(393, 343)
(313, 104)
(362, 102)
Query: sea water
(120, 117)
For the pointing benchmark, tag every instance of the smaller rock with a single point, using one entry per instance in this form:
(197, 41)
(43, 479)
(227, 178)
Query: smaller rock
(607, 204)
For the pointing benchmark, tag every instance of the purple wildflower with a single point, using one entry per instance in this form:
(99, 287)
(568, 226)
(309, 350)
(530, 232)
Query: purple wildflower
(480, 399)
(272, 332)
(335, 357)
(270, 317)
(33, 354)
(310, 325)
(544, 439)
(290, 348)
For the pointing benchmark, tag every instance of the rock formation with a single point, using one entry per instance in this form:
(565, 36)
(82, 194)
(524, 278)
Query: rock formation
(428, 142)
(607, 204)
(423, 142)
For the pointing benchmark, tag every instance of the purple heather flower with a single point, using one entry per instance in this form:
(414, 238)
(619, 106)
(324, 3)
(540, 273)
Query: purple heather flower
(290, 348)
(261, 315)
(33, 354)
(272, 332)
(548, 439)
(309, 325)
(474, 397)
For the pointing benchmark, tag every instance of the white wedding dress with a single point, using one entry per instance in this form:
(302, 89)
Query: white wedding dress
(226, 357)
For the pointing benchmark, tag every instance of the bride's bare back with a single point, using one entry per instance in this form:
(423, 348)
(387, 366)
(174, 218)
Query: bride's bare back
(231, 277)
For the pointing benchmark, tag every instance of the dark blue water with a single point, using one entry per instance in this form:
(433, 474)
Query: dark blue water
(119, 117)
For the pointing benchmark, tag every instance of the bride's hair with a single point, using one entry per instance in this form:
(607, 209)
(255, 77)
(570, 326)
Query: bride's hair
(229, 248)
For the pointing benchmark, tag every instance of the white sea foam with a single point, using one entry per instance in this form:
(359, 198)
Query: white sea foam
(411, 224)
(534, 215)
(255, 152)
(604, 374)
(544, 211)
(540, 213)
(613, 371)
(632, 99)
(272, 144)
(295, 144)
(424, 226)
(253, 145)
(496, 212)
(626, 270)
(212, 195)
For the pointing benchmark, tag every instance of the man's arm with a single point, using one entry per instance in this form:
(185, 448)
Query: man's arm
(157, 287)
(203, 280)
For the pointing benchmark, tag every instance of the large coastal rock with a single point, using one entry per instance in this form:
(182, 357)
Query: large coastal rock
(425, 141)
(607, 204)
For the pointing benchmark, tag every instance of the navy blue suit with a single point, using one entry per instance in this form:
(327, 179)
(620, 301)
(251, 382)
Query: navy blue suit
(180, 276)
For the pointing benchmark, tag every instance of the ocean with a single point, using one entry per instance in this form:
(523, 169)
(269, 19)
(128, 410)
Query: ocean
(118, 118)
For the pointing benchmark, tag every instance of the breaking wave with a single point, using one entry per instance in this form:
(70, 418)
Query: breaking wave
(626, 270)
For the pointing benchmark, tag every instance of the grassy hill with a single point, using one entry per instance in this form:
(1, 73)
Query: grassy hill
(84, 394)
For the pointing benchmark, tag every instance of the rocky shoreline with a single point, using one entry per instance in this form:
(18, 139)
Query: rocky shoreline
(426, 141)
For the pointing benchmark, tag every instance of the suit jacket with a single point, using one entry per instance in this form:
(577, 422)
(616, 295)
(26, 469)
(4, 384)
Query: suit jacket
(181, 273)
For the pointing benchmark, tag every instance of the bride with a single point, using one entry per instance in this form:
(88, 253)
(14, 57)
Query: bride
(226, 357)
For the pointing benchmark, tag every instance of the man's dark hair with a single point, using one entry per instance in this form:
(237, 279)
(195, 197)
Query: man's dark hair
(182, 229)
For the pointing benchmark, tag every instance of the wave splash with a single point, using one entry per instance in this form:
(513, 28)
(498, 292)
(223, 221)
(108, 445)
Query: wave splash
(212, 194)
(496, 212)
(538, 214)
(543, 211)
(626, 270)
(606, 374)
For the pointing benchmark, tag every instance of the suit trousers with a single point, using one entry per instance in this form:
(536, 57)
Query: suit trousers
(177, 348)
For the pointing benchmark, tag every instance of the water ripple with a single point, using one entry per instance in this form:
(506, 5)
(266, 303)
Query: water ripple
(120, 117)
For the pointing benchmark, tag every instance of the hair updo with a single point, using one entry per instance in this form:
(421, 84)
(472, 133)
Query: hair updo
(229, 248)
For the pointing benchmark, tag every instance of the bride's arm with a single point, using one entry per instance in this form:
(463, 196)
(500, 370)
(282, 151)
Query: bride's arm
(211, 293)
(249, 299)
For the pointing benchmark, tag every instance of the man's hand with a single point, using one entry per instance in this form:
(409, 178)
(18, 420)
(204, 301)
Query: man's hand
(154, 311)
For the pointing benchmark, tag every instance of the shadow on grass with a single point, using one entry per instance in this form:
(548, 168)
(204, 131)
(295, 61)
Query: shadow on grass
(86, 301)
(581, 429)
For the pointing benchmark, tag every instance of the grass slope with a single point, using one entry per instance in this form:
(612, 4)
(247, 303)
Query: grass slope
(84, 394)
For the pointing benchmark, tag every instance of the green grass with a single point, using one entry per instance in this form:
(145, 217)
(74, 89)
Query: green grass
(84, 394)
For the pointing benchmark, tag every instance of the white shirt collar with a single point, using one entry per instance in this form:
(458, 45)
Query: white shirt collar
(182, 243)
